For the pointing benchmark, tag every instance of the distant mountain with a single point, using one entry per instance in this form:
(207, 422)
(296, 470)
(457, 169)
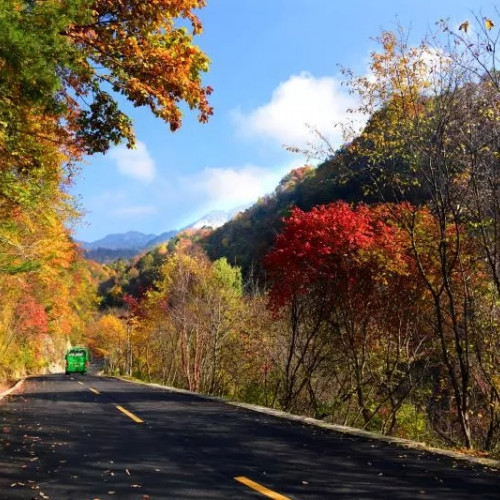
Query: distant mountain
(132, 240)
(215, 219)
(107, 255)
(162, 238)
(127, 245)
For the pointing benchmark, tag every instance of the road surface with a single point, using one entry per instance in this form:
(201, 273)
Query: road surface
(88, 437)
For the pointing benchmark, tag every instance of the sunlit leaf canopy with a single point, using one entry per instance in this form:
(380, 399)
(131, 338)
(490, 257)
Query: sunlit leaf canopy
(64, 65)
(67, 59)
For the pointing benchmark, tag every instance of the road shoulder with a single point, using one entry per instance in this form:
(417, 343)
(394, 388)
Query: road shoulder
(13, 388)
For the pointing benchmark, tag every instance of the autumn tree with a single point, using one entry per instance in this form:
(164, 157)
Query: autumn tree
(61, 64)
(186, 319)
(61, 59)
(432, 129)
(107, 338)
(57, 298)
(333, 270)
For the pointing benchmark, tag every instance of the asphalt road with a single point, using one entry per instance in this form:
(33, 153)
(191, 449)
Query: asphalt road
(87, 437)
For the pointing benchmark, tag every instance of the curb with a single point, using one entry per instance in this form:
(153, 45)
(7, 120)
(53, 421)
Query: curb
(16, 386)
(342, 429)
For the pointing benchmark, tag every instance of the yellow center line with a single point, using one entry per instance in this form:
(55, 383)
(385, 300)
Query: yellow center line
(81, 383)
(261, 489)
(95, 391)
(130, 415)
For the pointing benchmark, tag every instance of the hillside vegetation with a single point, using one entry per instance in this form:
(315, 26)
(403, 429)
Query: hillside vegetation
(58, 64)
(379, 303)
(248, 237)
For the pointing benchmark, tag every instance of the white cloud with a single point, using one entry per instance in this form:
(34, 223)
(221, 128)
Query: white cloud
(300, 103)
(136, 163)
(135, 211)
(229, 187)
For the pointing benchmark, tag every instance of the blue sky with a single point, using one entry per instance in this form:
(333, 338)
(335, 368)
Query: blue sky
(274, 69)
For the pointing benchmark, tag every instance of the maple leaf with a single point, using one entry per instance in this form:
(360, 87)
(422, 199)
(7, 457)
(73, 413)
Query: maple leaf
(464, 26)
(488, 23)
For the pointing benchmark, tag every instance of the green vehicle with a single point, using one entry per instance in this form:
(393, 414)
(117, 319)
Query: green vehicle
(77, 360)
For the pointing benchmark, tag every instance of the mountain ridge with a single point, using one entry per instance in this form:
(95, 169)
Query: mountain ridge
(126, 245)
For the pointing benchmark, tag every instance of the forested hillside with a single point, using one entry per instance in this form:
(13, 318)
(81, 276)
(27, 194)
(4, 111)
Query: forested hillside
(380, 304)
(346, 175)
(246, 239)
(62, 65)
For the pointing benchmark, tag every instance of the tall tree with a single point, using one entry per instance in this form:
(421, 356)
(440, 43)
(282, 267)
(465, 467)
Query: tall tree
(333, 270)
(424, 136)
